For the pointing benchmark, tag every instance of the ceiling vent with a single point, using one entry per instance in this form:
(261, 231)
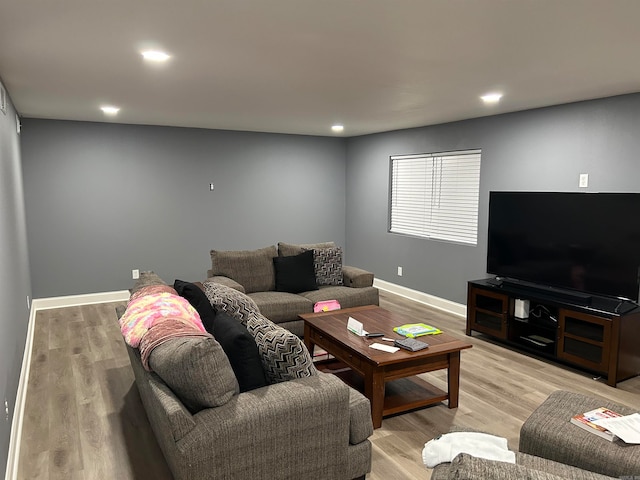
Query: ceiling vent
(3, 99)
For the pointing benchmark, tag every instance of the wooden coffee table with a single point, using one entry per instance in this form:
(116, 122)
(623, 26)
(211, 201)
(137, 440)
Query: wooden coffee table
(387, 379)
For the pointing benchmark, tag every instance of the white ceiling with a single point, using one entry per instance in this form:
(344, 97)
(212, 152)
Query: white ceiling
(299, 66)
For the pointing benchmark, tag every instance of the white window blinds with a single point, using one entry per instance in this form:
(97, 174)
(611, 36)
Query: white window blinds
(436, 195)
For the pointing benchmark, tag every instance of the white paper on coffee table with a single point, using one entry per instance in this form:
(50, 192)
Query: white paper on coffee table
(384, 348)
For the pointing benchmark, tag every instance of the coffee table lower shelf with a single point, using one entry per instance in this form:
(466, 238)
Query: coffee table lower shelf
(401, 395)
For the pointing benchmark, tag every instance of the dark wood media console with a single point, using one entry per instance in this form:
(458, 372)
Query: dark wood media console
(583, 332)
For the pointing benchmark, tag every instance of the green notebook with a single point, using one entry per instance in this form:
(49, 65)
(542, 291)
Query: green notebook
(413, 330)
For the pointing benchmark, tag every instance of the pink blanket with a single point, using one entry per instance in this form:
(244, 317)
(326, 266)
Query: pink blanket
(143, 312)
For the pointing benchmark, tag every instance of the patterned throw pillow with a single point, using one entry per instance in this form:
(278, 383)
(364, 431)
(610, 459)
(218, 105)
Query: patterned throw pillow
(284, 356)
(328, 265)
(230, 300)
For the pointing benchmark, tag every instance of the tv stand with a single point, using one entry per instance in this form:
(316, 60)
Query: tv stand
(595, 334)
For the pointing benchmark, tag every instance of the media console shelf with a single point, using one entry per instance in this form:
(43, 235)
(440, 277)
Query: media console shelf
(592, 337)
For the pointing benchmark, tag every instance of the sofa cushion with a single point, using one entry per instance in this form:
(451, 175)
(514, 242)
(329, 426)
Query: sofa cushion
(242, 351)
(346, 296)
(226, 281)
(287, 249)
(152, 290)
(284, 356)
(145, 279)
(327, 264)
(227, 299)
(281, 306)
(467, 467)
(253, 269)
(197, 298)
(197, 370)
(295, 273)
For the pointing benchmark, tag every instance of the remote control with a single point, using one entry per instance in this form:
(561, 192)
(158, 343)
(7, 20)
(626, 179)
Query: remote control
(410, 344)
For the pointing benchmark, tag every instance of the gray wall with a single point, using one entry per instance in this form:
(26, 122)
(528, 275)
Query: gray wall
(539, 150)
(14, 274)
(103, 199)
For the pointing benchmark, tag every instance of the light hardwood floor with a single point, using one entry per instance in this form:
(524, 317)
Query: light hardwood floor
(84, 419)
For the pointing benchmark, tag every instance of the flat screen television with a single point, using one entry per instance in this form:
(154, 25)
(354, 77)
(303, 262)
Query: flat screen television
(585, 242)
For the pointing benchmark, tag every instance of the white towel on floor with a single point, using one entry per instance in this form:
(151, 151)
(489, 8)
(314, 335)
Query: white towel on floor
(446, 447)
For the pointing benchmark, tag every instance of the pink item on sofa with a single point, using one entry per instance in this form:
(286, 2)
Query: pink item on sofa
(326, 306)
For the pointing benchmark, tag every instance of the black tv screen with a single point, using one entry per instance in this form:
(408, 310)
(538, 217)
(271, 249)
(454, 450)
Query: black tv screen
(588, 242)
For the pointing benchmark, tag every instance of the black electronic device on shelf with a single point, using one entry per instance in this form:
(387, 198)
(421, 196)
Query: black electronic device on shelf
(573, 245)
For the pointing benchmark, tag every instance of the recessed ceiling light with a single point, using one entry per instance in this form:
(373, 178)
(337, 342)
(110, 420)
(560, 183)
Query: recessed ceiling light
(110, 110)
(155, 56)
(491, 97)
(337, 128)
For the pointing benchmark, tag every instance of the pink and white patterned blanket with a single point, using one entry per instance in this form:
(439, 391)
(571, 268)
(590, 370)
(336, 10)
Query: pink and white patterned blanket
(146, 310)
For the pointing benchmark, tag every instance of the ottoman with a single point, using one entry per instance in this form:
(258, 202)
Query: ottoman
(548, 433)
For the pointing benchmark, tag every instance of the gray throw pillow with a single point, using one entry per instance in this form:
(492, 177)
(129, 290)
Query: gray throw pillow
(197, 370)
(253, 269)
(287, 249)
(147, 279)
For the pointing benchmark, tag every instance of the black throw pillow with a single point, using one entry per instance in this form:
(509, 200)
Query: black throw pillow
(198, 300)
(296, 273)
(242, 351)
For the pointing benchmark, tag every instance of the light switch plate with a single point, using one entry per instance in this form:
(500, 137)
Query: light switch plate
(584, 180)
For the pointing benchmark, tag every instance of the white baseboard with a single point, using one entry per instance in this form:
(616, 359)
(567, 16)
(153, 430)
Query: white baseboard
(73, 300)
(421, 297)
(11, 472)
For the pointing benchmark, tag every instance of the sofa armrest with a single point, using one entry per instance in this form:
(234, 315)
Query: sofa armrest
(307, 419)
(169, 418)
(356, 277)
(360, 423)
(229, 282)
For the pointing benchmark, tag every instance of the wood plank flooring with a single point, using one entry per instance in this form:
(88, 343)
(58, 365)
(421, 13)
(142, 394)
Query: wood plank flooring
(84, 419)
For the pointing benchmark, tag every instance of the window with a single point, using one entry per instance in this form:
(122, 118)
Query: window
(435, 195)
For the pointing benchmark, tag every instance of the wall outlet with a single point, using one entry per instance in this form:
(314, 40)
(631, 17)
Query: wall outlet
(135, 274)
(399, 271)
(6, 410)
(584, 180)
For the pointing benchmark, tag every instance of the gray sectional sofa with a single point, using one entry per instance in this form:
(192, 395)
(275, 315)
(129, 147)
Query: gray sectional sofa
(255, 273)
(301, 424)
